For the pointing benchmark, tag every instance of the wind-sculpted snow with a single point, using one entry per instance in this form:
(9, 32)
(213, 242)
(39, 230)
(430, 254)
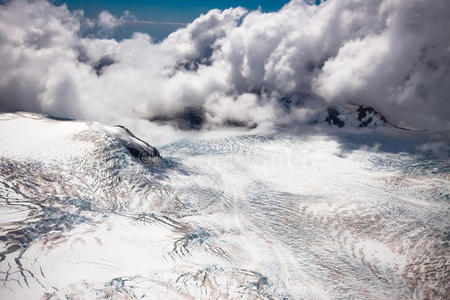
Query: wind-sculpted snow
(92, 211)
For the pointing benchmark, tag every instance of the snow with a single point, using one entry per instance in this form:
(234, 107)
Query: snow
(309, 214)
(352, 116)
(28, 136)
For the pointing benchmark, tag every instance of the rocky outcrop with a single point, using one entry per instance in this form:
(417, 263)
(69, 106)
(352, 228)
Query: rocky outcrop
(140, 149)
(350, 115)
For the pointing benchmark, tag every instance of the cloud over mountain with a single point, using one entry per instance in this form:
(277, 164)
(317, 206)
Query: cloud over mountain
(233, 66)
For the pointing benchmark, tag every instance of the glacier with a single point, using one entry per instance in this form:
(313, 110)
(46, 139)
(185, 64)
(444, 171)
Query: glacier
(92, 211)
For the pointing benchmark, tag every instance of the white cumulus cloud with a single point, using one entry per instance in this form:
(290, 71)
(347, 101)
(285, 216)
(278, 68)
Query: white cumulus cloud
(233, 67)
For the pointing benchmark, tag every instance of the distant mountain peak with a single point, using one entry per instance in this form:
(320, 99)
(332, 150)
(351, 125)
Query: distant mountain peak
(352, 115)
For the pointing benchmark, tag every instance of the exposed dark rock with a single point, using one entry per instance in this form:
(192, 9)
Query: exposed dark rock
(365, 111)
(352, 115)
(366, 122)
(141, 150)
(333, 118)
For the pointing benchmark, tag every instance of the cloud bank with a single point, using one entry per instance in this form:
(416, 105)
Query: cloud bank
(232, 67)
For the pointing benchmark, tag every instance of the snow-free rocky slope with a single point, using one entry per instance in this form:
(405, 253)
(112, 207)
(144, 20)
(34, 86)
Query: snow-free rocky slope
(91, 211)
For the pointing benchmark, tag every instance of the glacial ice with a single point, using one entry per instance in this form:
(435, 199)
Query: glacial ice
(92, 211)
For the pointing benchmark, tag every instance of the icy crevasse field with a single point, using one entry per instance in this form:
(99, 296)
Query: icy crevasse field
(313, 214)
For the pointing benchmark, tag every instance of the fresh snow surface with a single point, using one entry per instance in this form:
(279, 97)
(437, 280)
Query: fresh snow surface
(316, 213)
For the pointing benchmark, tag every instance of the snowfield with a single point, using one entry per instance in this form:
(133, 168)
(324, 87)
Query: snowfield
(92, 211)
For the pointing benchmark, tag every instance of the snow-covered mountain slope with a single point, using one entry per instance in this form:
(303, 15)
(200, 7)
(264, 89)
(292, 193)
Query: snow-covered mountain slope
(353, 116)
(91, 211)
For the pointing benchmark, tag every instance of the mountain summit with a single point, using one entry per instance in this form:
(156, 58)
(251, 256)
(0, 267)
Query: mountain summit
(352, 115)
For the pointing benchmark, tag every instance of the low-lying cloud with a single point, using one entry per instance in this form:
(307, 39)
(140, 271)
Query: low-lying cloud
(232, 67)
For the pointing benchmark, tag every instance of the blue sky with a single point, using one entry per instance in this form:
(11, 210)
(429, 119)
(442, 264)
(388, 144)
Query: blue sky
(162, 10)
